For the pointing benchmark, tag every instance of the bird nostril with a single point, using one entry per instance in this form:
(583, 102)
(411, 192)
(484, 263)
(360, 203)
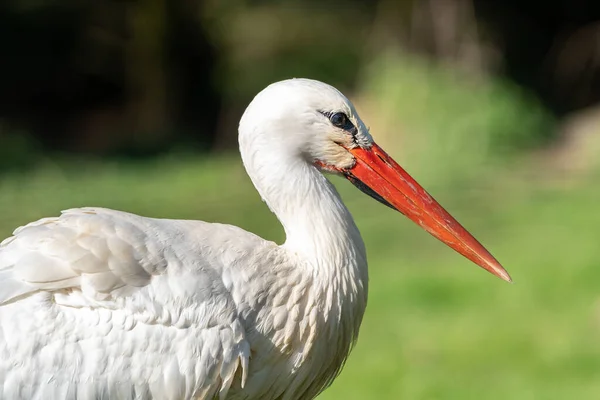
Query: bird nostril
(384, 160)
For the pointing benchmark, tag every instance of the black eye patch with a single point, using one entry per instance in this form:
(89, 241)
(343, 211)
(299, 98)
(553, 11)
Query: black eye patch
(341, 120)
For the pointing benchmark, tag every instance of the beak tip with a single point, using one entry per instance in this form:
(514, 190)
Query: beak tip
(500, 272)
(506, 277)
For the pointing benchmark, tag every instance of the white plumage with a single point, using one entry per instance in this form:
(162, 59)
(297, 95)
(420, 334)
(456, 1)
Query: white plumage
(102, 304)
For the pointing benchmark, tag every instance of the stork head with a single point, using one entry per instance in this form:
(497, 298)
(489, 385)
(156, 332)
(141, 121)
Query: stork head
(309, 120)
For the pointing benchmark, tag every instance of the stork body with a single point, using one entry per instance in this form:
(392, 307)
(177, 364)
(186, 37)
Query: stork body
(103, 304)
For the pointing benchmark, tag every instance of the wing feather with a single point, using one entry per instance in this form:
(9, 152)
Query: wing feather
(96, 249)
(93, 259)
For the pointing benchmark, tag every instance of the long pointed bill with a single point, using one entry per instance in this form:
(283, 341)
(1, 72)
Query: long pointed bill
(378, 175)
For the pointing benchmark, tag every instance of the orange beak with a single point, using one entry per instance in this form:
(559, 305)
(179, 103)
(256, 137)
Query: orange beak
(378, 175)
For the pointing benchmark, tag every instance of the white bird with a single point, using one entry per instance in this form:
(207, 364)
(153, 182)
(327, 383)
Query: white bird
(102, 304)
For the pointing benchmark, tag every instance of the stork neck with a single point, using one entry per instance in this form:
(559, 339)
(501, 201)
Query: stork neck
(318, 226)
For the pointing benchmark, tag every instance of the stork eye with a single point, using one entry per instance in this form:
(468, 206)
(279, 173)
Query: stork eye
(339, 119)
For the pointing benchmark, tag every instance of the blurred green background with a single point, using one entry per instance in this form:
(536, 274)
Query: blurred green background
(493, 107)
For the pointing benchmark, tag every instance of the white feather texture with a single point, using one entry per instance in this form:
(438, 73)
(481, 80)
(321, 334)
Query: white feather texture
(103, 304)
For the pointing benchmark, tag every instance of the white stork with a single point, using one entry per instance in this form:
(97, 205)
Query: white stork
(102, 304)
